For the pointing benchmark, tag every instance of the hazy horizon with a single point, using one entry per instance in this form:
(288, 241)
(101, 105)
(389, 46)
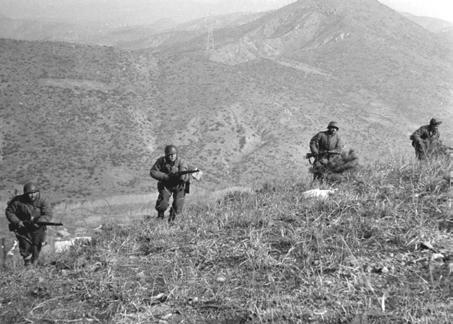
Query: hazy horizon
(142, 12)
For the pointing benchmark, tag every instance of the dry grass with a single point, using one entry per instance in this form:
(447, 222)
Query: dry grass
(264, 256)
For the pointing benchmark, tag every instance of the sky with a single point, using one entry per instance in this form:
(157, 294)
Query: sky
(144, 10)
(442, 9)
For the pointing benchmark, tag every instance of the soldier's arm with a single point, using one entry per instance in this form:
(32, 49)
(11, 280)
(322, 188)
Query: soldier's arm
(314, 144)
(183, 167)
(339, 146)
(10, 213)
(416, 136)
(436, 135)
(156, 172)
(46, 212)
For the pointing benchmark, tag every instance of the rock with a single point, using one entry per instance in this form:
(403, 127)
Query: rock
(221, 279)
(63, 233)
(437, 256)
(318, 193)
(160, 298)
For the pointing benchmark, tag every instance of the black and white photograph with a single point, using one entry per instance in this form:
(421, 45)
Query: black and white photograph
(226, 161)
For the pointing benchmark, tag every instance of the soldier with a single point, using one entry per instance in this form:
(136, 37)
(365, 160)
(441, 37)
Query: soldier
(22, 212)
(165, 170)
(326, 144)
(425, 139)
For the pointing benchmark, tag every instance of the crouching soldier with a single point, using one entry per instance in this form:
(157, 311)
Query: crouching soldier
(167, 170)
(426, 139)
(23, 213)
(326, 144)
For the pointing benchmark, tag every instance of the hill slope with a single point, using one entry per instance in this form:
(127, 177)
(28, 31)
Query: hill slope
(69, 118)
(89, 120)
(378, 251)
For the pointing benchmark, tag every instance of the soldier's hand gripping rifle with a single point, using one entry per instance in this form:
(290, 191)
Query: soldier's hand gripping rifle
(196, 174)
(310, 156)
(14, 227)
(180, 173)
(318, 156)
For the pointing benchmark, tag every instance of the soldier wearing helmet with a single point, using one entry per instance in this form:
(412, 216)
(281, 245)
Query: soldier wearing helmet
(170, 183)
(425, 138)
(326, 144)
(22, 212)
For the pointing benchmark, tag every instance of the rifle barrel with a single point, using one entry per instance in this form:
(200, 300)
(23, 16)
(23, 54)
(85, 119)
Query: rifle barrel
(187, 172)
(49, 223)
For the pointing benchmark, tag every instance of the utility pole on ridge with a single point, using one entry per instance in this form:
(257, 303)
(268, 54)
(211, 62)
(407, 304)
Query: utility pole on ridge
(210, 35)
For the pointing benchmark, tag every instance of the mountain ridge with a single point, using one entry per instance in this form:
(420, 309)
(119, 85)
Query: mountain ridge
(246, 122)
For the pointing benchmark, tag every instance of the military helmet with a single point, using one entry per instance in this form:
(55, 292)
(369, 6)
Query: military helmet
(30, 187)
(434, 122)
(332, 124)
(170, 149)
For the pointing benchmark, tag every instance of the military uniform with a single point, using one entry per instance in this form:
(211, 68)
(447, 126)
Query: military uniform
(21, 210)
(425, 138)
(169, 185)
(324, 143)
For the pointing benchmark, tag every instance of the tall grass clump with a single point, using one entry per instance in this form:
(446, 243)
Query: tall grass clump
(374, 252)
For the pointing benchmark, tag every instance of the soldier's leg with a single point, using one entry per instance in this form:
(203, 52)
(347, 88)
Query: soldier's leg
(178, 204)
(25, 246)
(318, 170)
(162, 202)
(420, 152)
(37, 237)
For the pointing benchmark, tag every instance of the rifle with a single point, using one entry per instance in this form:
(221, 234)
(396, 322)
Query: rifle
(310, 155)
(13, 227)
(180, 173)
(48, 223)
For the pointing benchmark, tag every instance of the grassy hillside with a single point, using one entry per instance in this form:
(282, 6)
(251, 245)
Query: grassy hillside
(379, 251)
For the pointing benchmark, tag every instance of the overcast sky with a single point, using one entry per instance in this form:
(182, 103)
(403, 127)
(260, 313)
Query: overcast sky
(442, 9)
(69, 9)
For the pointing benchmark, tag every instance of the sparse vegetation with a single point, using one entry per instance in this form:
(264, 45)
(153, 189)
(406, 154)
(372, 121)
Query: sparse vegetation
(376, 252)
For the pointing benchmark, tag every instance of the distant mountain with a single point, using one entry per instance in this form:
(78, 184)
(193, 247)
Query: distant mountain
(135, 36)
(432, 24)
(139, 37)
(43, 30)
(119, 13)
(89, 120)
(358, 41)
(82, 33)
